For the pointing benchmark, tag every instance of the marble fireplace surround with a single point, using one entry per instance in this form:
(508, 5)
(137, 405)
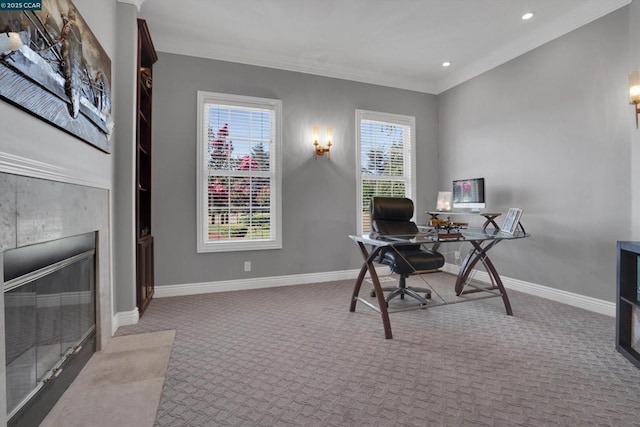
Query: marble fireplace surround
(35, 210)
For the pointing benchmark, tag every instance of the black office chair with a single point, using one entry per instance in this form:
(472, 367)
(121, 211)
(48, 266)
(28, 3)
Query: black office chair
(392, 216)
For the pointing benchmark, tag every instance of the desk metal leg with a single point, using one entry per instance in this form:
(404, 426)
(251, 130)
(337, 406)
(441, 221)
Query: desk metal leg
(479, 253)
(356, 288)
(494, 273)
(382, 303)
(490, 220)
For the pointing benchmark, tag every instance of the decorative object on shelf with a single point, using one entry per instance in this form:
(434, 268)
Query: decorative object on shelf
(145, 75)
(52, 66)
(319, 150)
(634, 92)
(444, 201)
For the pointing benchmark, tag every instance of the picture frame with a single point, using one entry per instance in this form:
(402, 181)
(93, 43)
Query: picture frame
(444, 201)
(53, 67)
(511, 220)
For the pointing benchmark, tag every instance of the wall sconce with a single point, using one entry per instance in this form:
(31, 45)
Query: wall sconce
(319, 150)
(634, 91)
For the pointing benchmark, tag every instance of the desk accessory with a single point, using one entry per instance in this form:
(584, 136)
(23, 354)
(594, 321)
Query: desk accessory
(444, 201)
(447, 229)
(511, 221)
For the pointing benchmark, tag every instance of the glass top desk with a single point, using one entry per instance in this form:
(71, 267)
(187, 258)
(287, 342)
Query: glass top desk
(481, 240)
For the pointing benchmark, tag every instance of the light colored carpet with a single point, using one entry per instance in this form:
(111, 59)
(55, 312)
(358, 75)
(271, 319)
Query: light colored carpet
(296, 356)
(119, 386)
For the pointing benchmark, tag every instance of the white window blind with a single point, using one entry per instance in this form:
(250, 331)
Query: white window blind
(386, 147)
(239, 180)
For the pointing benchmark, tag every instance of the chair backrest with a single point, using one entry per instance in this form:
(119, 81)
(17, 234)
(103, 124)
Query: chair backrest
(392, 215)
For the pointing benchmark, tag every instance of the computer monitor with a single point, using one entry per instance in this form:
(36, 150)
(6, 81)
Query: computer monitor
(469, 194)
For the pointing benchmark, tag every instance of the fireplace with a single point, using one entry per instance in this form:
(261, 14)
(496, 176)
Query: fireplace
(50, 322)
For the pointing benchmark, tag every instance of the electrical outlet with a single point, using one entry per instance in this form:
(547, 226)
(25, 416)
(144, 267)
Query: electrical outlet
(247, 266)
(457, 254)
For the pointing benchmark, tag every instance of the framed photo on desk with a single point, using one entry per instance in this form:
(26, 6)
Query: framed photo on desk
(511, 220)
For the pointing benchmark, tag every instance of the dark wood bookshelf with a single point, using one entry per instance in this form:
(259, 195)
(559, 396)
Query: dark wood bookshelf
(147, 56)
(627, 301)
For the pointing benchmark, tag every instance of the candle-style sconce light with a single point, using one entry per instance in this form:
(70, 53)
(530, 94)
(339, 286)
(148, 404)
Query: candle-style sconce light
(634, 92)
(319, 150)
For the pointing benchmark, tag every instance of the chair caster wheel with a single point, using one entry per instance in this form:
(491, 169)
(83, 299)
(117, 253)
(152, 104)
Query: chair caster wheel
(427, 296)
(372, 294)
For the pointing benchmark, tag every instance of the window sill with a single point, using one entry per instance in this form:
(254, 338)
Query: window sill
(224, 246)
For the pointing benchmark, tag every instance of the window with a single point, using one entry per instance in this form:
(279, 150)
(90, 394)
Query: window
(239, 177)
(385, 145)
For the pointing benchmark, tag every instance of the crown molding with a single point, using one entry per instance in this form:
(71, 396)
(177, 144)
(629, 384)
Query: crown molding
(136, 3)
(176, 44)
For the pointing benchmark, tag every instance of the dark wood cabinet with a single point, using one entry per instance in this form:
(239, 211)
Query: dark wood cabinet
(144, 278)
(628, 301)
(144, 255)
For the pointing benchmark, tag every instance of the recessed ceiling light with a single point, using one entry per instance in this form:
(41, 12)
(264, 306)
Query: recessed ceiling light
(527, 16)
(446, 64)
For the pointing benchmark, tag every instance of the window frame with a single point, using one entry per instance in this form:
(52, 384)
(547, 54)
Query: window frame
(395, 119)
(202, 227)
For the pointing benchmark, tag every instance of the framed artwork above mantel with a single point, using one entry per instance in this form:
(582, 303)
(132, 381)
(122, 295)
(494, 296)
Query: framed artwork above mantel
(52, 66)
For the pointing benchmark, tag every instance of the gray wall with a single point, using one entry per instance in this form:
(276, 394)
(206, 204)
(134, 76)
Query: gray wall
(319, 206)
(550, 131)
(634, 64)
(124, 153)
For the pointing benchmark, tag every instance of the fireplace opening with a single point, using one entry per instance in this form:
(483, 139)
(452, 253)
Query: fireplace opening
(50, 322)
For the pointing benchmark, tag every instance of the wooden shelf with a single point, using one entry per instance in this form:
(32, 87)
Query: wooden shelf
(632, 302)
(143, 117)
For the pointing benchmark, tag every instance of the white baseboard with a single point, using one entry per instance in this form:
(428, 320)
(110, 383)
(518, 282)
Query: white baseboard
(255, 283)
(558, 295)
(124, 318)
(576, 300)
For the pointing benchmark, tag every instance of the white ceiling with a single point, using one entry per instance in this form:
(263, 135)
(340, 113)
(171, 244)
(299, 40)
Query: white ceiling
(397, 43)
